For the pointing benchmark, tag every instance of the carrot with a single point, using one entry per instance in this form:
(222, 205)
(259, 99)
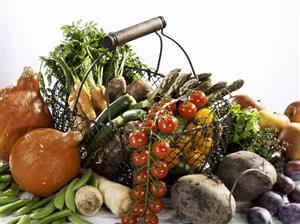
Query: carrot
(85, 101)
(79, 123)
(98, 98)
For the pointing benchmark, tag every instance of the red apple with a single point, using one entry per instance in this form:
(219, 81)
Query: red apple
(291, 135)
(246, 101)
(293, 111)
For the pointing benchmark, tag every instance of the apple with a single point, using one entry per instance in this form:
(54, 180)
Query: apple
(246, 101)
(272, 120)
(291, 135)
(293, 111)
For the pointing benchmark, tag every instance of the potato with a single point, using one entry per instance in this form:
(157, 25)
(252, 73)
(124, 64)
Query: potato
(200, 198)
(252, 184)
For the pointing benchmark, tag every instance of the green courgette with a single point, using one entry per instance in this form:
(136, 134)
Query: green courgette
(97, 139)
(116, 108)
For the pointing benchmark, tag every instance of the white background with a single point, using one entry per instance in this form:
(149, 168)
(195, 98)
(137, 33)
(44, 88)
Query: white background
(256, 40)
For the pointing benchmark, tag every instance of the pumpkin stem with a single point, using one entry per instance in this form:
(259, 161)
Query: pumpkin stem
(28, 72)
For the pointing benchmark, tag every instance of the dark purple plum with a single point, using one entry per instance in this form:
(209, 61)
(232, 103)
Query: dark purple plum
(259, 215)
(289, 213)
(271, 201)
(284, 184)
(292, 170)
(295, 195)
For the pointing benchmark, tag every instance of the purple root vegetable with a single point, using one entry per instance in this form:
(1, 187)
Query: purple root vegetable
(292, 170)
(259, 215)
(289, 213)
(284, 184)
(295, 195)
(271, 201)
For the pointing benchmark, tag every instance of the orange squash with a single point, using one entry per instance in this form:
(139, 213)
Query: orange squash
(22, 109)
(44, 160)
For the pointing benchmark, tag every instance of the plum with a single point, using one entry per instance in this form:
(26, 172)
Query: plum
(271, 201)
(289, 213)
(295, 195)
(292, 170)
(284, 184)
(259, 215)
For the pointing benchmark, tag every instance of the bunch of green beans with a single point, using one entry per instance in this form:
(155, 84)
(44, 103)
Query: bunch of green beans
(52, 209)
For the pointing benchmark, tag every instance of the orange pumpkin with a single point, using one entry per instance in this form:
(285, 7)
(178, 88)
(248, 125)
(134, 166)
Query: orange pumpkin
(44, 160)
(22, 110)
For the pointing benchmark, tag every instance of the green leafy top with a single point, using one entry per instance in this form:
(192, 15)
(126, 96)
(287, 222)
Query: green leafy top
(81, 46)
(245, 124)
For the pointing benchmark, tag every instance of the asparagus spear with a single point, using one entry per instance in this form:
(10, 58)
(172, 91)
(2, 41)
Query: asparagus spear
(203, 77)
(225, 91)
(204, 85)
(166, 83)
(181, 79)
(214, 88)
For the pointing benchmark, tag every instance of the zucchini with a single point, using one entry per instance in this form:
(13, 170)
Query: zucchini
(116, 108)
(99, 138)
(145, 104)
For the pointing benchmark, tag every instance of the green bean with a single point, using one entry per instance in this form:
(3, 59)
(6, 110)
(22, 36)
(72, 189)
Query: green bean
(4, 185)
(12, 190)
(4, 168)
(7, 199)
(59, 199)
(5, 177)
(44, 211)
(76, 219)
(59, 221)
(24, 220)
(43, 202)
(70, 195)
(55, 216)
(94, 181)
(6, 209)
(27, 208)
(14, 220)
(84, 179)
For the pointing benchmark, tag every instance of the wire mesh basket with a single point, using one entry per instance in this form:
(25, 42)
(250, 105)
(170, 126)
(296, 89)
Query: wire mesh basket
(201, 145)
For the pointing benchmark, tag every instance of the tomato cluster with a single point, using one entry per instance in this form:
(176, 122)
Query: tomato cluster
(150, 152)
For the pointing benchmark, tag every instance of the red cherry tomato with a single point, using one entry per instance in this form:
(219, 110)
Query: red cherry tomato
(151, 219)
(140, 159)
(167, 125)
(187, 110)
(137, 139)
(161, 149)
(137, 209)
(158, 189)
(140, 177)
(146, 126)
(171, 107)
(126, 219)
(198, 98)
(159, 169)
(153, 111)
(155, 206)
(138, 193)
